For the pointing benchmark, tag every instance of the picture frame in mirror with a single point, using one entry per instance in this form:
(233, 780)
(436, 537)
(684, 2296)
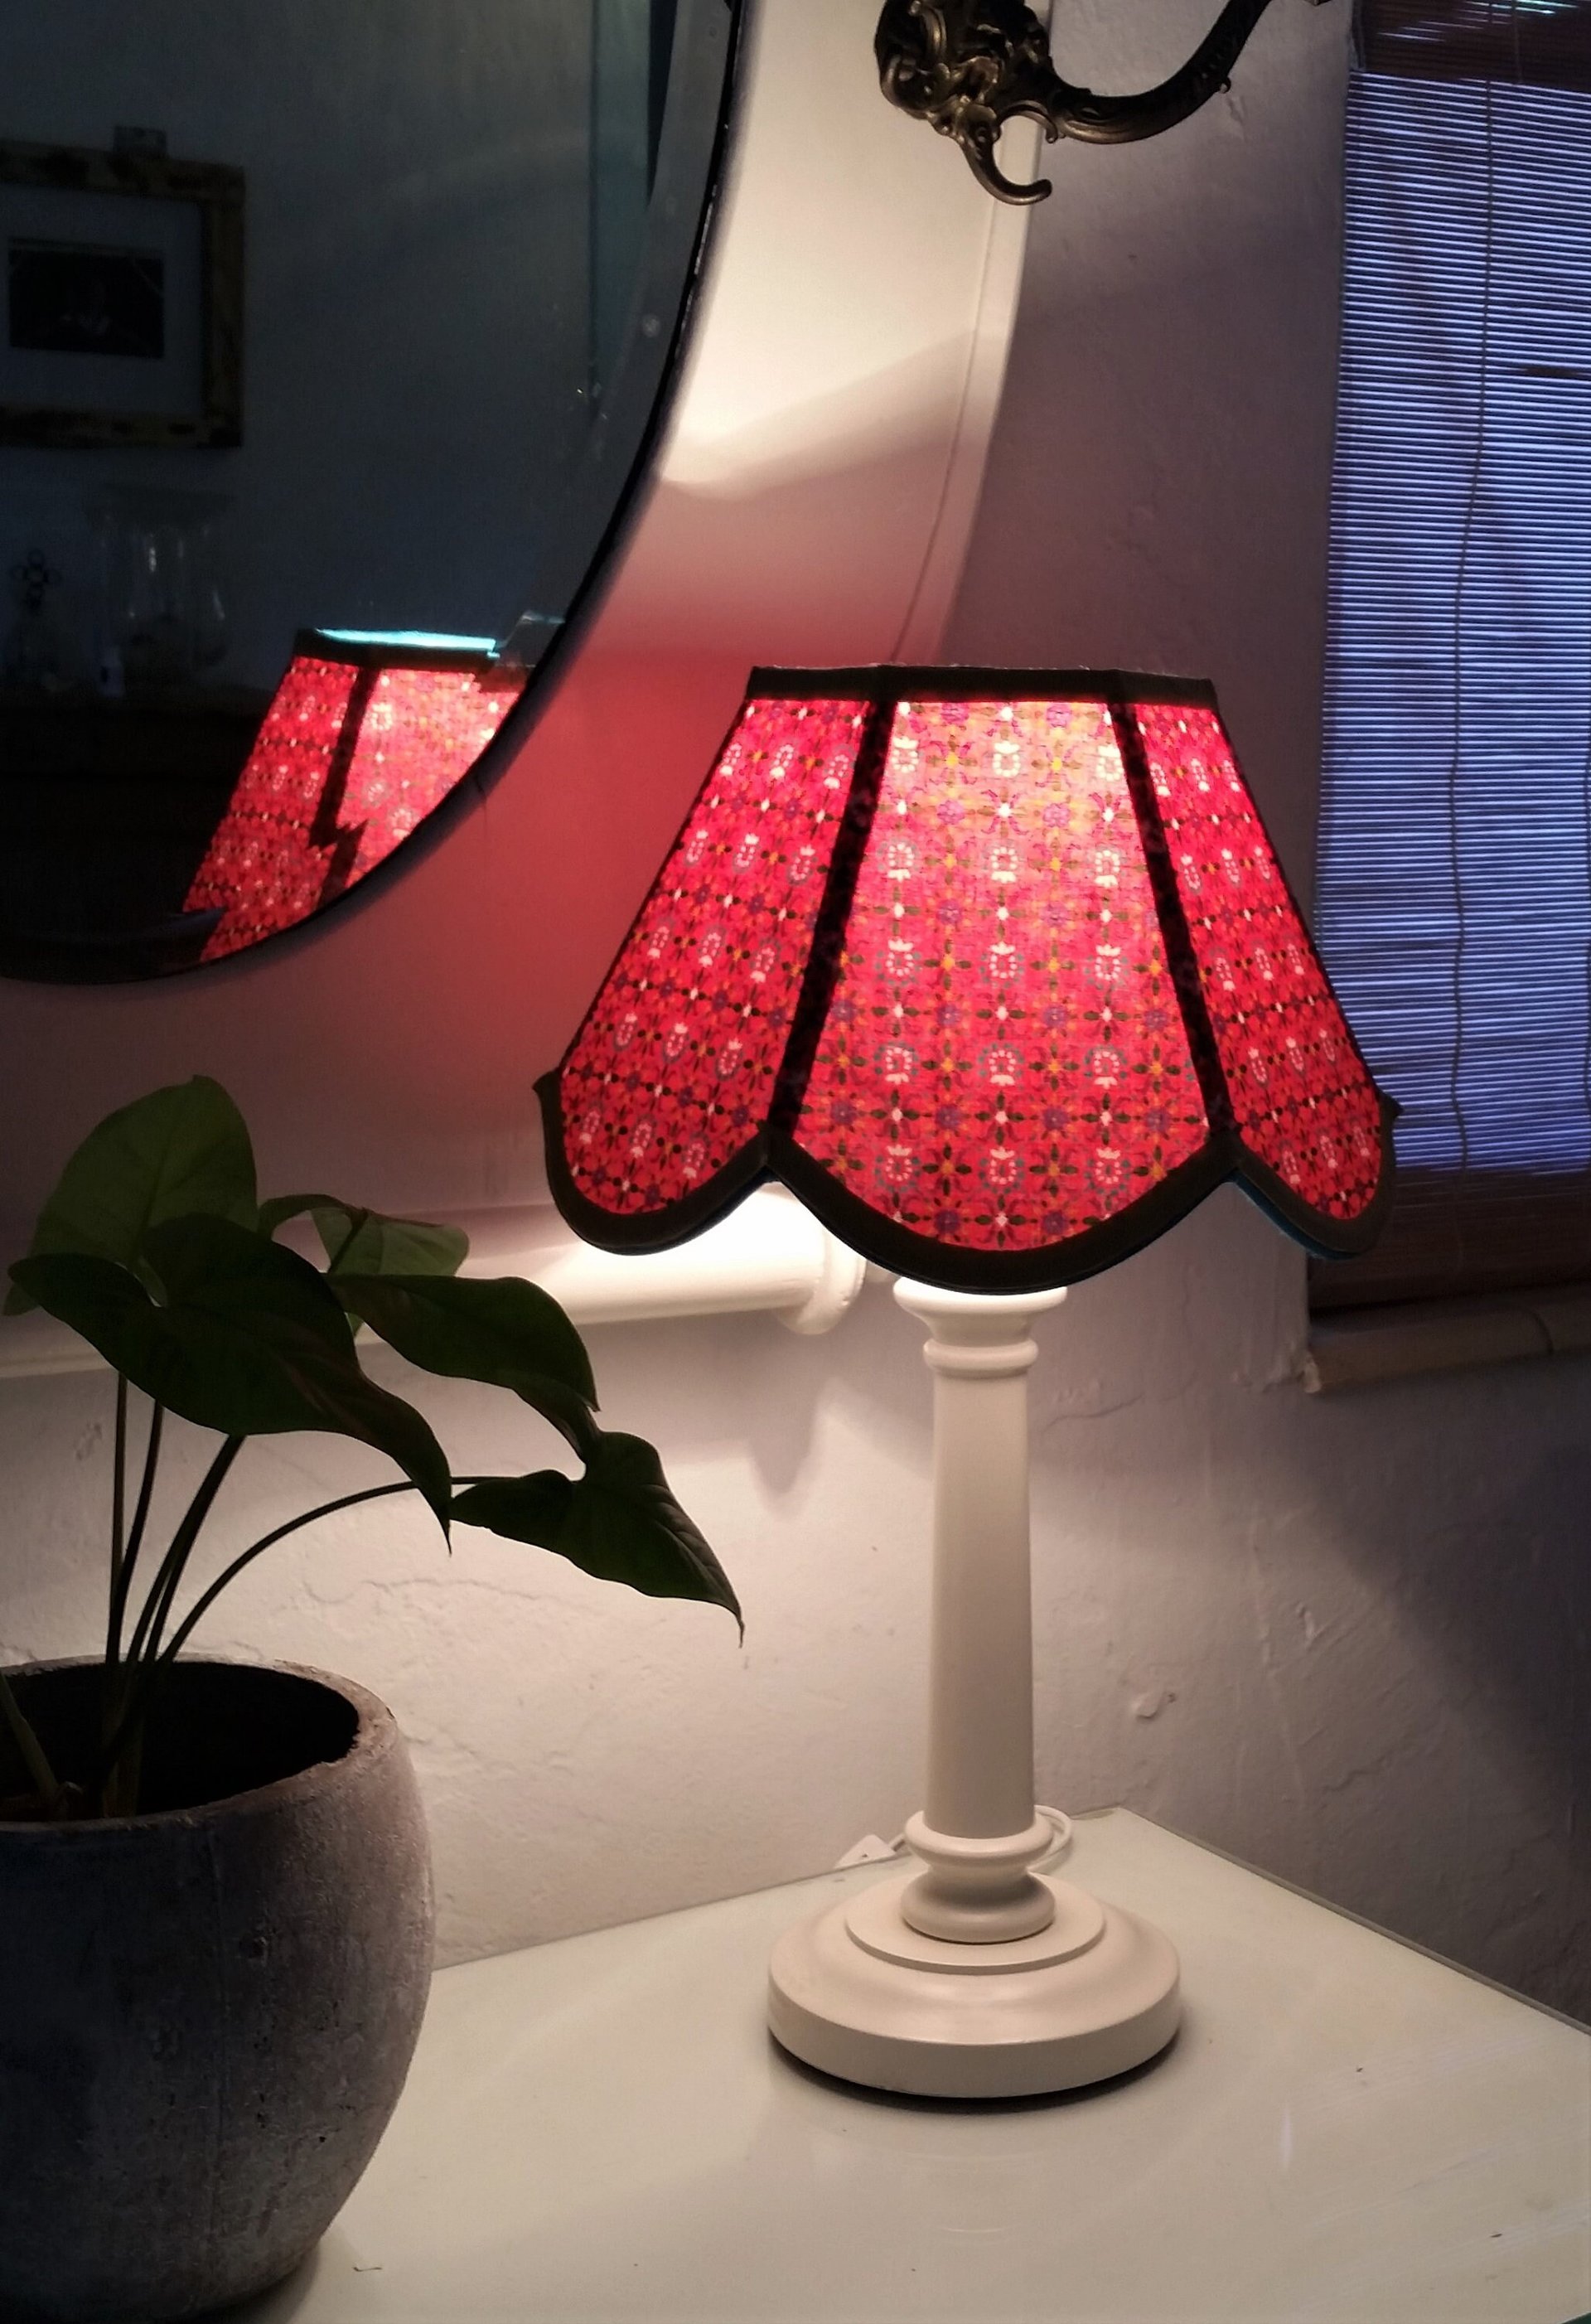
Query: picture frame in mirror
(124, 296)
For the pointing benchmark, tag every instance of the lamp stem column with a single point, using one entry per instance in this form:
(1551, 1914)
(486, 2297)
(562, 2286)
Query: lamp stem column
(979, 1832)
(976, 1975)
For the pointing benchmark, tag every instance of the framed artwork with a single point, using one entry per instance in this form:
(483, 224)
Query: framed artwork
(123, 282)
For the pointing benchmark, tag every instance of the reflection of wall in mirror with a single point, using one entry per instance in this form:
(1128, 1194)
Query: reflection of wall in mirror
(421, 307)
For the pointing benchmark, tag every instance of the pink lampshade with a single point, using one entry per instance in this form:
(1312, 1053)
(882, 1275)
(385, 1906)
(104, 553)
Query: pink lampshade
(996, 970)
(361, 739)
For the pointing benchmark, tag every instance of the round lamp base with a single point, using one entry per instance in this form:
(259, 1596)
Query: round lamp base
(860, 1994)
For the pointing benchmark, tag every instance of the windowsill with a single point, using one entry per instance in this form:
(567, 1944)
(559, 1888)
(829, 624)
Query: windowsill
(1445, 1335)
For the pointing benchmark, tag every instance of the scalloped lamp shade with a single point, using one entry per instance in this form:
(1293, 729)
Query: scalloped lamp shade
(996, 970)
(364, 737)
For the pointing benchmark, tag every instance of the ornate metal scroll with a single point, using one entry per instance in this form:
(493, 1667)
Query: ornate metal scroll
(970, 66)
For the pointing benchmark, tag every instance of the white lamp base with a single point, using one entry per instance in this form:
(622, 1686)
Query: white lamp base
(975, 1977)
(859, 1993)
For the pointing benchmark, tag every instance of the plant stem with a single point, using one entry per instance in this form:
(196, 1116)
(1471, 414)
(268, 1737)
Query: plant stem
(32, 1751)
(118, 1611)
(167, 1580)
(121, 1787)
(110, 1689)
(119, 1485)
(115, 1781)
(294, 1525)
(270, 1540)
(143, 1688)
(118, 1795)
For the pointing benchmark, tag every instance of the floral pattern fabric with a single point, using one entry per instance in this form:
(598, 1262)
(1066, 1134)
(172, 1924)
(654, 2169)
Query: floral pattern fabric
(673, 1072)
(1003, 1063)
(262, 869)
(421, 732)
(986, 1020)
(1303, 1098)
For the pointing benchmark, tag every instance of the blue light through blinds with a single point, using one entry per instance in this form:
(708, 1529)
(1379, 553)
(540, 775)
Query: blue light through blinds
(1454, 899)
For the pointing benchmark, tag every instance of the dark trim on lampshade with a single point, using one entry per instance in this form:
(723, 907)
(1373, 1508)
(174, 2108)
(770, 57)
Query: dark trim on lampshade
(827, 948)
(683, 824)
(774, 1156)
(898, 682)
(640, 1232)
(1321, 1236)
(1170, 912)
(956, 1267)
(325, 829)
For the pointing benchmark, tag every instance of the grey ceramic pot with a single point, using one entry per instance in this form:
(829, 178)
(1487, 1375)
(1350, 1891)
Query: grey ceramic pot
(206, 2012)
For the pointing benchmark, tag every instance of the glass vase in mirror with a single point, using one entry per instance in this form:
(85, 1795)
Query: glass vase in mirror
(335, 341)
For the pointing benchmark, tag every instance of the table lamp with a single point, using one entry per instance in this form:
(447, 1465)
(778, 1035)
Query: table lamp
(997, 973)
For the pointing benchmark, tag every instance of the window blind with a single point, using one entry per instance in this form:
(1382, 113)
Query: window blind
(1543, 43)
(1454, 898)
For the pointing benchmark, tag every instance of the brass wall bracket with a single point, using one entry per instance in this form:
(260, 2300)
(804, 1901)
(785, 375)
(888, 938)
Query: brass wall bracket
(968, 66)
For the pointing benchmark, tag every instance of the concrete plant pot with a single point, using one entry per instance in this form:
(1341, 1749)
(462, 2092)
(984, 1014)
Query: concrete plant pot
(207, 2011)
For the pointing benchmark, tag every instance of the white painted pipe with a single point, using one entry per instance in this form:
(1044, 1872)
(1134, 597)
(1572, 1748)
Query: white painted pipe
(1358, 1350)
(770, 1257)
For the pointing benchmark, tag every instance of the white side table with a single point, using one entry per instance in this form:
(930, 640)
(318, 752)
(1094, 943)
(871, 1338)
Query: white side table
(1344, 2131)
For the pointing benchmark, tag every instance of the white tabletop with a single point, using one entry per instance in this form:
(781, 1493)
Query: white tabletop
(1344, 2131)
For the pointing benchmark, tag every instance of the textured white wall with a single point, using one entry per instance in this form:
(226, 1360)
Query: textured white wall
(1347, 1640)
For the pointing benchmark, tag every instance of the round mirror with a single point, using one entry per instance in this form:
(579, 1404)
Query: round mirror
(336, 342)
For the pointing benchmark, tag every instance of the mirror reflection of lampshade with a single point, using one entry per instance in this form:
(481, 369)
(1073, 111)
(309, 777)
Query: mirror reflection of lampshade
(352, 756)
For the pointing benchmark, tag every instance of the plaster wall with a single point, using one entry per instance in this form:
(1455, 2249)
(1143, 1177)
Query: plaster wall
(1344, 1638)
(1347, 1640)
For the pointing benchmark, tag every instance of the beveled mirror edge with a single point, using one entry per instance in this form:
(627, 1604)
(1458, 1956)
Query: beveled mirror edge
(695, 144)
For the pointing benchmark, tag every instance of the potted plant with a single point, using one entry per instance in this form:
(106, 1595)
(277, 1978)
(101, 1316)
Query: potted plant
(215, 1896)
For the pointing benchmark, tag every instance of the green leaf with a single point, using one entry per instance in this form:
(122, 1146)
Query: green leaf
(249, 1341)
(358, 1241)
(619, 1522)
(279, 1208)
(208, 1266)
(179, 1151)
(367, 1243)
(503, 1331)
(521, 1508)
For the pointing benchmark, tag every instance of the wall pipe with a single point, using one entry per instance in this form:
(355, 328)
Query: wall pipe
(768, 1256)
